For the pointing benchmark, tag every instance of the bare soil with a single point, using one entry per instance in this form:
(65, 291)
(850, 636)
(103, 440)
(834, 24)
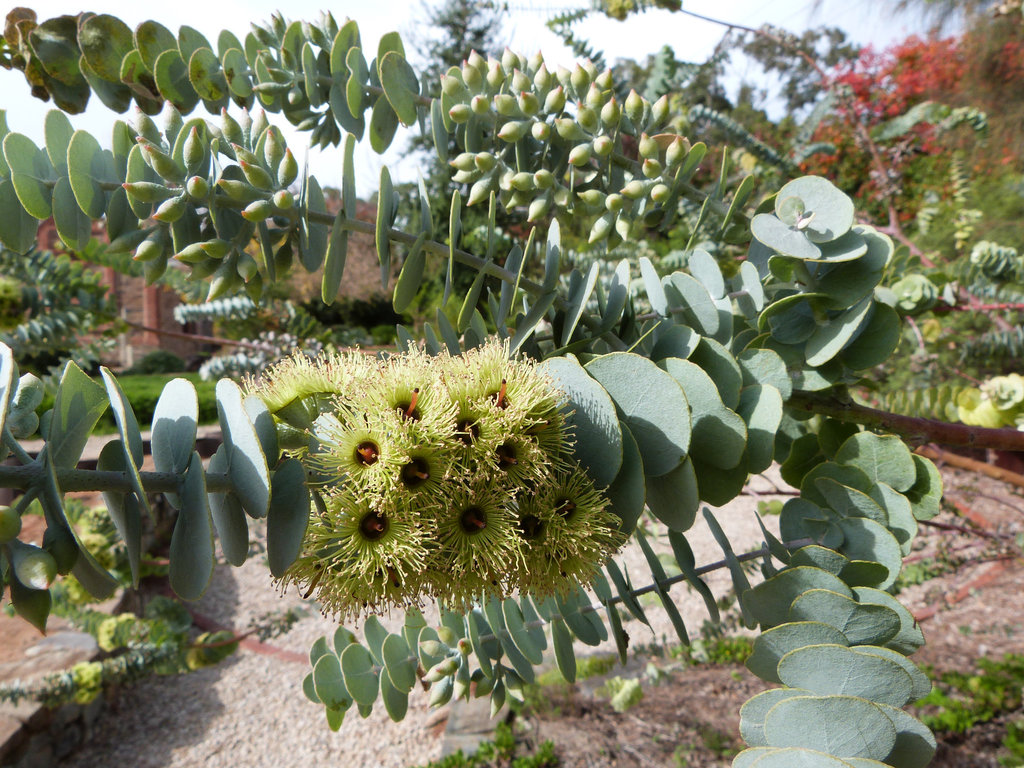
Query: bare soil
(690, 720)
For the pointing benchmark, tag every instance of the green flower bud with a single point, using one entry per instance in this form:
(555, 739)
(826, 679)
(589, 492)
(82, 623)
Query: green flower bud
(466, 161)
(164, 166)
(611, 113)
(605, 81)
(506, 105)
(480, 191)
(171, 210)
(660, 193)
(194, 151)
(460, 113)
(283, 199)
(544, 178)
(539, 208)
(543, 80)
(510, 60)
(603, 146)
(230, 128)
(592, 197)
(569, 129)
(541, 131)
(273, 148)
(150, 248)
(447, 636)
(555, 101)
(256, 175)
(495, 75)
(614, 202)
(452, 86)
(587, 118)
(580, 155)
(676, 152)
(580, 80)
(596, 97)
(485, 161)
(659, 111)
(259, 125)
(146, 128)
(520, 82)
(523, 181)
(464, 177)
(634, 107)
(216, 249)
(652, 168)
(197, 188)
(10, 524)
(648, 147)
(193, 253)
(33, 567)
(147, 192)
(634, 190)
(513, 130)
(564, 76)
(624, 227)
(288, 170)
(535, 62)
(258, 211)
(481, 105)
(602, 227)
(472, 77)
(529, 104)
(22, 424)
(29, 394)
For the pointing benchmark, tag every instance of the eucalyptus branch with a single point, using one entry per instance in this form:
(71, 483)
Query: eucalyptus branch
(911, 428)
(199, 338)
(29, 475)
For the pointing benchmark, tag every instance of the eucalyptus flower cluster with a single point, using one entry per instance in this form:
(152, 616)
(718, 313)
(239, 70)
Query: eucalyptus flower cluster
(447, 477)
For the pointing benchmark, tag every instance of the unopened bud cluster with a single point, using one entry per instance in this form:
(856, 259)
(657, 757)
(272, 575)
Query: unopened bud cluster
(554, 133)
(441, 477)
(169, 181)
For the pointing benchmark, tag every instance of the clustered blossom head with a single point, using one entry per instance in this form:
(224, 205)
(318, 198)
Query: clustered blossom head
(448, 477)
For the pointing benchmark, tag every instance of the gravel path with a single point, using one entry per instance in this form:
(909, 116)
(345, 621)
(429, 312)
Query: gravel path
(250, 711)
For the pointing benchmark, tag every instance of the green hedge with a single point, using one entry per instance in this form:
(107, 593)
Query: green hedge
(143, 391)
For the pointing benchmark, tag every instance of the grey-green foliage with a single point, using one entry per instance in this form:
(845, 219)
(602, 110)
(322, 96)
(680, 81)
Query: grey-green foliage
(722, 350)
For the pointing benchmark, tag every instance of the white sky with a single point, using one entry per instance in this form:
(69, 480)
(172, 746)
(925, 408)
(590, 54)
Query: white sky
(693, 40)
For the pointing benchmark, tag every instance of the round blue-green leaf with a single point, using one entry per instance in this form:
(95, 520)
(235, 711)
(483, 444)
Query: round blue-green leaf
(205, 74)
(845, 283)
(761, 408)
(876, 342)
(105, 40)
(867, 540)
(522, 638)
(565, 657)
(171, 76)
(152, 39)
(73, 226)
(748, 757)
(723, 369)
(674, 497)
(764, 366)
(88, 166)
(798, 757)
(685, 292)
(396, 702)
(309, 689)
(783, 239)
(30, 168)
(652, 404)
(175, 421)
(400, 662)
(883, 458)
(247, 464)
(776, 642)
(400, 85)
(360, 675)
(288, 516)
(909, 636)
(769, 602)
(844, 474)
(719, 434)
(191, 553)
(266, 428)
(828, 211)
(849, 502)
(17, 227)
(754, 711)
(833, 669)
(915, 744)
(627, 493)
(236, 73)
(922, 686)
(228, 516)
(704, 267)
(862, 623)
(678, 341)
(845, 726)
(926, 492)
(592, 418)
(329, 683)
(58, 131)
(829, 340)
(383, 124)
